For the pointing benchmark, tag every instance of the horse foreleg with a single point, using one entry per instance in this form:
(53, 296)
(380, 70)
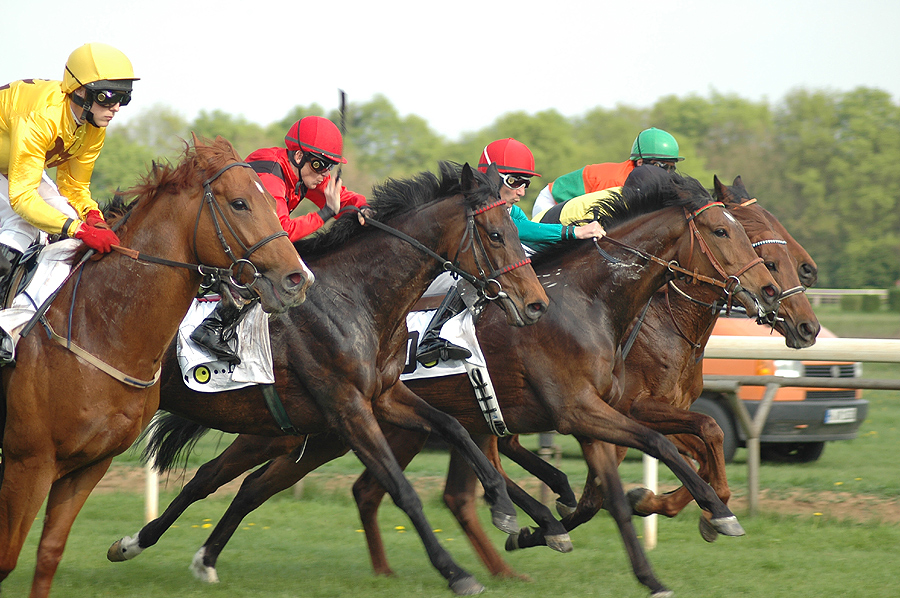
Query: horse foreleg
(25, 486)
(603, 469)
(357, 424)
(67, 496)
(243, 454)
(555, 479)
(279, 474)
(404, 408)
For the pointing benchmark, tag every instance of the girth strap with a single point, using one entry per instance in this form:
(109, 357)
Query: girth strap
(276, 408)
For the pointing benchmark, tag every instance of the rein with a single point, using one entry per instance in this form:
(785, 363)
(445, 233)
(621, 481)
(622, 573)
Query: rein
(465, 244)
(212, 274)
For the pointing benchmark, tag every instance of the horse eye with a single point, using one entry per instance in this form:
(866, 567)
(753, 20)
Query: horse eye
(771, 266)
(495, 237)
(239, 205)
(720, 232)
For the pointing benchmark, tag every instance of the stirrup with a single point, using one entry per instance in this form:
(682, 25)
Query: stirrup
(441, 350)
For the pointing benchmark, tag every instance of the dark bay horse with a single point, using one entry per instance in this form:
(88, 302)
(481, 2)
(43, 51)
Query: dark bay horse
(585, 289)
(64, 418)
(339, 356)
(664, 373)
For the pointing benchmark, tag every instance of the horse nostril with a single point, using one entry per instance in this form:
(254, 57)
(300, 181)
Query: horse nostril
(770, 291)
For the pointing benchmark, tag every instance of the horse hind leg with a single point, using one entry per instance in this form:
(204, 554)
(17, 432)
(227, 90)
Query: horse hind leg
(277, 475)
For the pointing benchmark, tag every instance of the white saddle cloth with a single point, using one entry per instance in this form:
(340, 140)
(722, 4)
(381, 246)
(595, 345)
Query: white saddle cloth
(459, 330)
(51, 271)
(200, 369)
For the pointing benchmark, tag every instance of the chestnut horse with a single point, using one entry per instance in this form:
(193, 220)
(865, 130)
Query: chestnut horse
(67, 413)
(339, 356)
(528, 402)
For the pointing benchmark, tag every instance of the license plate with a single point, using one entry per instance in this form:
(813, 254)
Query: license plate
(844, 415)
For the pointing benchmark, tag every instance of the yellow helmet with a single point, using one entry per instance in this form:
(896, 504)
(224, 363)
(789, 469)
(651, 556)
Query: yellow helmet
(96, 62)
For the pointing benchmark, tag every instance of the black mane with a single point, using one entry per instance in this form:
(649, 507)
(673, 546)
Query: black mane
(395, 197)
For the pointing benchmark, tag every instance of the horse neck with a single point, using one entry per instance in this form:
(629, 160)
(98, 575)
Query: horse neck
(135, 300)
(390, 284)
(626, 288)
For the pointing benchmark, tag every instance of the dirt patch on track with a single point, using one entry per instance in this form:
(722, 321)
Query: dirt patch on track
(833, 505)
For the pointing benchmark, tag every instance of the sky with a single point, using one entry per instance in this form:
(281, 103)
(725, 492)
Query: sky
(461, 64)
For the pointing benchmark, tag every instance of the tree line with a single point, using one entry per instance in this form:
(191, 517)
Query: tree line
(821, 161)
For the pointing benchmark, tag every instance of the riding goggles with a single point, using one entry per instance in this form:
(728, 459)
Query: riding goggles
(667, 166)
(319, 164)
(109, 98)
(515, 181)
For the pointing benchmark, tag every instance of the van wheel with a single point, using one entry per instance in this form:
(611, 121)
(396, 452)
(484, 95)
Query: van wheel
(723, 418)
(791, 452)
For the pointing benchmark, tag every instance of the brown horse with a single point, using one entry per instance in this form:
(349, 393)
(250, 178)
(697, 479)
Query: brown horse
(67, 413)
(530, 402)
(664, 373)
(339, 356)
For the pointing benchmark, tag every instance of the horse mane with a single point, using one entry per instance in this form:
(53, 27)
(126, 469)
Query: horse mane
(395, 197)
(197, 163)
(648, 189)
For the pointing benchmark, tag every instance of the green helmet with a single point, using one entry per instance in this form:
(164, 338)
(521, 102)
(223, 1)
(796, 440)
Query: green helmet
(655, 143)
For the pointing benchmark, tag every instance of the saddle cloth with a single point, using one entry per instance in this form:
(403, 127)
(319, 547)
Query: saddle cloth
(200, 369)
(52, 269)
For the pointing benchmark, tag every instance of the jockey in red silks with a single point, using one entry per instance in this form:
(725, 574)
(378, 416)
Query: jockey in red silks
(300, 170)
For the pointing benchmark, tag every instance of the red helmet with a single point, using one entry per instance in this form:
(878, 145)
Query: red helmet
(510, 156)
(316, 135)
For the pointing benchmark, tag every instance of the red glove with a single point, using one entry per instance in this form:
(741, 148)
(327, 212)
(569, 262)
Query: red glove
(100, 239)
(95, 219)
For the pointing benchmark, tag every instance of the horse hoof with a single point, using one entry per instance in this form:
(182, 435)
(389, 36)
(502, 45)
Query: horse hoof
(467, 586)
(727, 526)
(201, 571)
(707, 531)
(564, 510)
(635, 496)
(663, 594)
(559, 543)
(512, 542)
(123, 550)
(505, 523)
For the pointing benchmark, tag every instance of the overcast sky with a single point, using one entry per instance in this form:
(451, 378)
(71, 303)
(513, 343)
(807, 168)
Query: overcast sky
(460, 64)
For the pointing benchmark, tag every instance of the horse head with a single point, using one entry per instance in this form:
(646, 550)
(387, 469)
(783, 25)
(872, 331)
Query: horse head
(807, 270)
(237, 228)
(719, 241)
(795, 318)
(496, 253)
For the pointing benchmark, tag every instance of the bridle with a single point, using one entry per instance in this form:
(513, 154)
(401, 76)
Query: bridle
(486, 282)
(731, 284)
(212, 275)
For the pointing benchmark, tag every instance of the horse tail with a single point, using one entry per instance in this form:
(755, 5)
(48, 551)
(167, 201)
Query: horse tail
(170, 439)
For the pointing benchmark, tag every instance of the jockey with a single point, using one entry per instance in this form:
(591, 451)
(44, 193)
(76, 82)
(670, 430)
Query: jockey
(651, 146)
(62, 125)
(313, 146)
(515, 163)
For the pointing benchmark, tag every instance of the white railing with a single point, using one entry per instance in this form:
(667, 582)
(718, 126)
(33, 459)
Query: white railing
(752, 347)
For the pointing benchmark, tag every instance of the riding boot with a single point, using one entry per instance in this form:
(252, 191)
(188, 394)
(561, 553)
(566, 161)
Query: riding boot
(9, 257)
(218, 328)
(431, 346)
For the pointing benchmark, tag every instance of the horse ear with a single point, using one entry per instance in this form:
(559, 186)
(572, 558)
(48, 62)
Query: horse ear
(467, 178)
(738, 182)
(195, 139)
(720, 192)
(493, 175)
